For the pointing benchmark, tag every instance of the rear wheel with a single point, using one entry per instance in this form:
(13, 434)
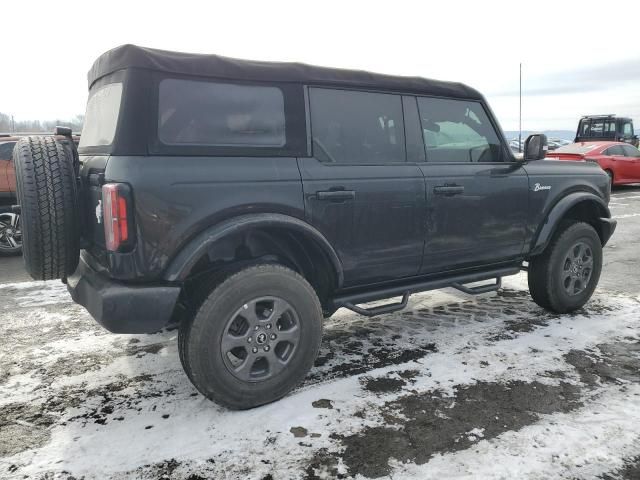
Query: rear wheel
(46, 187)
(563, 278)
(254, 338)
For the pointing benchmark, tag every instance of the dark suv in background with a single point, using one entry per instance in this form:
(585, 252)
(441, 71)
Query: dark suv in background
(248, 200)
(606, 127)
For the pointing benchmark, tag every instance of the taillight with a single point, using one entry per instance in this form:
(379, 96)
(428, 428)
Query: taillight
(117, 218)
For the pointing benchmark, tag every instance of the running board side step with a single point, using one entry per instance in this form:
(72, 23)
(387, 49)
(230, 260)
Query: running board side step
(372, 312)
(351, 301)
(492, 287)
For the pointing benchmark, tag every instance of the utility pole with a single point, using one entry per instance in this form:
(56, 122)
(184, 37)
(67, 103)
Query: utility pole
(13, 125)
(520, 115)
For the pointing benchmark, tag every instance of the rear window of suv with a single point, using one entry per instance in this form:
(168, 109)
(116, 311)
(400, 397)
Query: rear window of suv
(193, 112)
(101, 119)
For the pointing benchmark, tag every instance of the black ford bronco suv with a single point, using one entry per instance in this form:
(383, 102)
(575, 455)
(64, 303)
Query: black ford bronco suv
(249, 200)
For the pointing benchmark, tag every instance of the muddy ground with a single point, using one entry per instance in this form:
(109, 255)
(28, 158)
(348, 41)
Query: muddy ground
(484, 387)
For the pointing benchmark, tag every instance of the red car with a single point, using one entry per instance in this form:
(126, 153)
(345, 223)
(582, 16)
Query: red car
(620, 160)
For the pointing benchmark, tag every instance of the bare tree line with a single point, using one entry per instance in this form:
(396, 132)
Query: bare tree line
(9, 125)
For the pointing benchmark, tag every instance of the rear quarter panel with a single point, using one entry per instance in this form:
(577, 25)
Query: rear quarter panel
(175, 198)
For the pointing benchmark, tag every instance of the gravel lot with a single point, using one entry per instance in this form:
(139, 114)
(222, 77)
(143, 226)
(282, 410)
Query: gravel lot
(454, 386)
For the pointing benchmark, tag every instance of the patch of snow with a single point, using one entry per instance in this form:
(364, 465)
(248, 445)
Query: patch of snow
(582, 444)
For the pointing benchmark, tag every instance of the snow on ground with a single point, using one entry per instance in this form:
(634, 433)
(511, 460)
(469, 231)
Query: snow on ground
(452, 387)
(100, 405)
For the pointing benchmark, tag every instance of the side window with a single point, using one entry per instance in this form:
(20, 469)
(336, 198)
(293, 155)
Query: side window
(630, 151)
(356, 127)
(597, 128)
(584, 128)
(458, 131)
(6, 150)
(627, 129)
(610, 129)
(615, 150)
(194, 112)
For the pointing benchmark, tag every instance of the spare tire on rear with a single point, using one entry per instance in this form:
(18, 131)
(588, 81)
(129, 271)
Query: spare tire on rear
(46, 186)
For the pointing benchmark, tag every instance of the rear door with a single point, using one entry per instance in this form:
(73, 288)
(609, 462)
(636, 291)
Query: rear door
(631, 163)
(613, 158)
(477, 195)
(359, 189)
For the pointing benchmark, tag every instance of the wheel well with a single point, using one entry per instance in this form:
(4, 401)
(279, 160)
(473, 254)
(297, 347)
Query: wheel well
(590, 212)
(265, 245)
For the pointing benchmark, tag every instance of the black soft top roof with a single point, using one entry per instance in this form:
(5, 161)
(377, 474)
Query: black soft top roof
(215, 66)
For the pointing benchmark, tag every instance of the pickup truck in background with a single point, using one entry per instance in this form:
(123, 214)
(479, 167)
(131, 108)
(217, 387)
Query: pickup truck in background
(606, 128)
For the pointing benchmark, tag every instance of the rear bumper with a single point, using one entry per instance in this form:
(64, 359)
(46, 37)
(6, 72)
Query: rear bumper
(607, 227)
(122, 308)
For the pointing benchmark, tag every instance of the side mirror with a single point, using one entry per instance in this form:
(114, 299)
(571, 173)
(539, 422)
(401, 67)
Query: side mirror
(535, 147)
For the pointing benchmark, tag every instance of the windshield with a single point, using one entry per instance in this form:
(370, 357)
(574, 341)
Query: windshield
(101, 118)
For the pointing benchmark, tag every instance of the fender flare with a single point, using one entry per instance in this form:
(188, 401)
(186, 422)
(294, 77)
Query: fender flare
(190, 253)
(558, 211)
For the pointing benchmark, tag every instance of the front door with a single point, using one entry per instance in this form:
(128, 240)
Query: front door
(359, 190)
(477, 196)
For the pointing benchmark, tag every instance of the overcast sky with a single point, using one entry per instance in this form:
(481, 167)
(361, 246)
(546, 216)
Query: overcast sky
(579, 57)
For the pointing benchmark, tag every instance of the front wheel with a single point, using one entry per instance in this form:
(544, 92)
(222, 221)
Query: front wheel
(563, 278)
(254, 338)
(610, 175)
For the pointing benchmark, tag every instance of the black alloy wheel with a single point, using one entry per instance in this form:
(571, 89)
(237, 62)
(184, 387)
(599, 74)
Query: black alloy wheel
(260, 339)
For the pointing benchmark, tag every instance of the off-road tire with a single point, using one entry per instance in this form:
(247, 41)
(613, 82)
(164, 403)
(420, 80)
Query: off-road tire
(545, 270)
(200, 337)
(46, 187)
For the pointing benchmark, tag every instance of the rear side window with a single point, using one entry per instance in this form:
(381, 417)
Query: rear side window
(597, 128)
(610, 129)
(458, 131)
(615, 150)
(631, 151)
(356, 127)
(220, 114)
(101, 119)
(584, 128)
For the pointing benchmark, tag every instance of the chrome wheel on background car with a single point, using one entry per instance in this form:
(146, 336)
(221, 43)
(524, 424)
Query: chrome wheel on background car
(10, 234)
(610, 175)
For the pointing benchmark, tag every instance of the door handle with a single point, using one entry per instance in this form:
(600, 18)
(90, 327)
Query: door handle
(448, 190)
(336, 195)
